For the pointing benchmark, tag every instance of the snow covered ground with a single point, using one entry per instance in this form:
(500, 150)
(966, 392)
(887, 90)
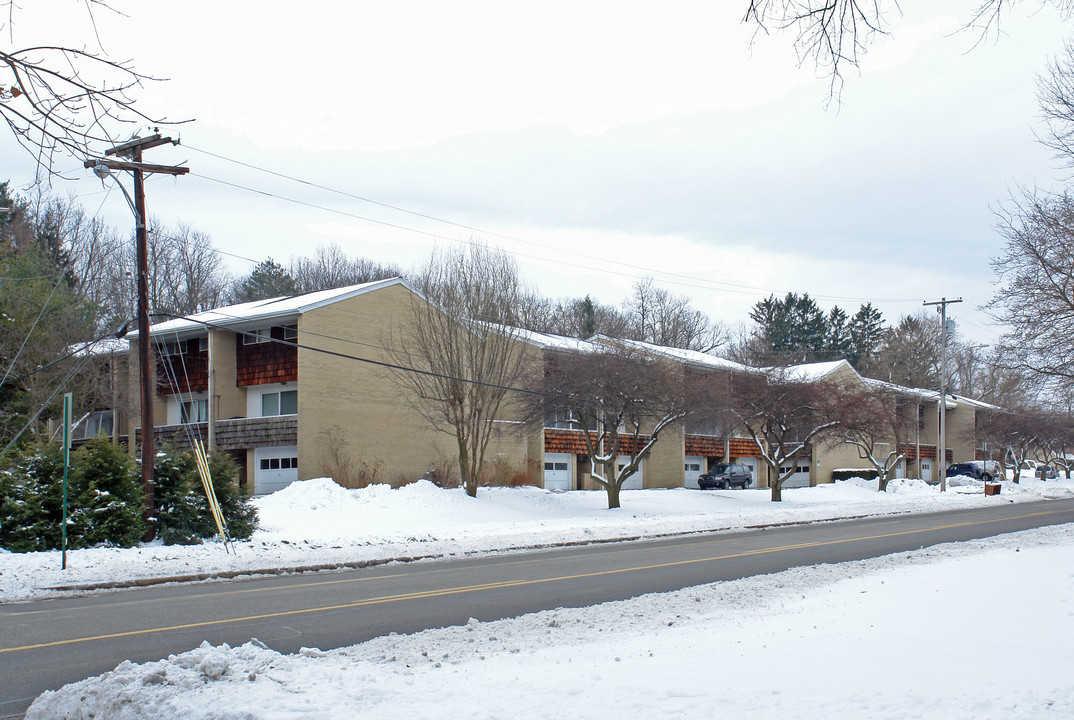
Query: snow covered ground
(974, 630)
(318, 523)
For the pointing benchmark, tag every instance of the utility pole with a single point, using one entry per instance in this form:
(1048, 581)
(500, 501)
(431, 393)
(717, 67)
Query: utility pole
(132, 151)
(941, 450)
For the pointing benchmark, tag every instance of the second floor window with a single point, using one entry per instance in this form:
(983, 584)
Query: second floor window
(561, 419)
(194, 411)
(260, 335)
(279, 403)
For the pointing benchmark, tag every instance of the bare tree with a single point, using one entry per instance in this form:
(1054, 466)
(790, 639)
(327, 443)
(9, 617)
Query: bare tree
(784, 414)
(659, 317)
(1036, 297)
(875, 422)
(330, 268)
(909, 354)
(186, 273)
(1019, 431)
(573, 317)
(461, 341)
(832, 34)
(60, 100)
(620, 400)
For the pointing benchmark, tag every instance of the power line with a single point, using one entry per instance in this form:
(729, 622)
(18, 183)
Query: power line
(706, 283)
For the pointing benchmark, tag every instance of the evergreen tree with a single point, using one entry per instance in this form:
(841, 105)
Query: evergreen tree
(866, 335)
(268, 279)
(109, 503)
(838, 342)
(182, 510)
(589, 320)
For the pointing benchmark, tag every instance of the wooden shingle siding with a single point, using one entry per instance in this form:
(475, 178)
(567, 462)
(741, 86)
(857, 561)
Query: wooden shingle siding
(267, 362)
(256, 432)
(185, 373)
(571, 441)
(928, 452)
(712, 446)
(174, 435)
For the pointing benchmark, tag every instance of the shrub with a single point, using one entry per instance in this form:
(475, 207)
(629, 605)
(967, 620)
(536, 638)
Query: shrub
(846, 474)
(107, 507)
(182, 510)
(105, 498)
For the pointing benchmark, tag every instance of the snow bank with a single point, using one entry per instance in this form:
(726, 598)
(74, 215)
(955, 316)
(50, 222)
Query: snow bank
(318, 523)
(929, 634)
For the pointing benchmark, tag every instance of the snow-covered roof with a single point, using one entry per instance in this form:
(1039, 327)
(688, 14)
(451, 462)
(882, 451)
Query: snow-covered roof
(922, 393)
(102, 346)
(553, 342)
(979, 404)
(811, 372)
(270, 310)
(693, 357)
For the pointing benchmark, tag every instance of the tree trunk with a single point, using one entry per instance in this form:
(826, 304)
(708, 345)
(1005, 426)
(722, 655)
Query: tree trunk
(613, 495)
(777, 490)
(469, 482)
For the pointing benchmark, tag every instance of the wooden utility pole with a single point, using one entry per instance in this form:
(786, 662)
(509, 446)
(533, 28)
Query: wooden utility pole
(941, 451)
(132, 150)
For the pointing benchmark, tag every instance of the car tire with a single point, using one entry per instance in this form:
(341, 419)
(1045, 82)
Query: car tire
(986, 477)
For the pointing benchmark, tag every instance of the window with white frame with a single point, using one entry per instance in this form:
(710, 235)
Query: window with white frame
(260, 335)
(279, 403)
(284, 463)
(290, 332)
(194, 411)
(561, 419)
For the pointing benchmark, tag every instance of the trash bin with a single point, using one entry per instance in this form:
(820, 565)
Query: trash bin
(992, 488)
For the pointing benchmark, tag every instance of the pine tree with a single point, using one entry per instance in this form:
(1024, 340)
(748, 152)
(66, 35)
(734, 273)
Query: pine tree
(268, 279)
(109, 505)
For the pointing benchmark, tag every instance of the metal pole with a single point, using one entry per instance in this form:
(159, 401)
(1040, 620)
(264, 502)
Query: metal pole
(67, 402)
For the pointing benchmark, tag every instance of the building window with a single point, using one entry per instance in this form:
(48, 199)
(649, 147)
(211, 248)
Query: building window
(693, 467)
(172, 347)
(562, 419)
(279, 403)
(287, 463)
(290, 332)
(194, 411)
(260, 335)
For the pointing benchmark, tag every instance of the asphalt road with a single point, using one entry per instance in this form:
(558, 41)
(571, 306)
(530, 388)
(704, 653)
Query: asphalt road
(46, 644)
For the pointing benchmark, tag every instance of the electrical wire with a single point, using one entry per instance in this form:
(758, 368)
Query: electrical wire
(693, 281)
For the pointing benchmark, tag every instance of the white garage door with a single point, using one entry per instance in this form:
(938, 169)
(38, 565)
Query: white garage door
(800, 478)
(274, 468)
(557, 471)
(634, 482)
(695, 465)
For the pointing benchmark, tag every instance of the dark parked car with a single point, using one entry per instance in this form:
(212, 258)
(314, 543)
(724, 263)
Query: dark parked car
(725, 476)
(977, 470)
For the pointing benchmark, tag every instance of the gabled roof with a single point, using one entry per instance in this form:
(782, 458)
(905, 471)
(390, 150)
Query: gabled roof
(259, 312)
(812, 372)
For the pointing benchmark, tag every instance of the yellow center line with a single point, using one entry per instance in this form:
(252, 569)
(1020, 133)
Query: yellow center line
(516, 583)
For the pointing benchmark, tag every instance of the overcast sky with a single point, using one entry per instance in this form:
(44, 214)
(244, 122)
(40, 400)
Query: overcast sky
(598, 141)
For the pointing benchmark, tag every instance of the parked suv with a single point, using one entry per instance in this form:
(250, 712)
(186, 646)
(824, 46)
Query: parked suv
(978, 469)
(725, 476)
